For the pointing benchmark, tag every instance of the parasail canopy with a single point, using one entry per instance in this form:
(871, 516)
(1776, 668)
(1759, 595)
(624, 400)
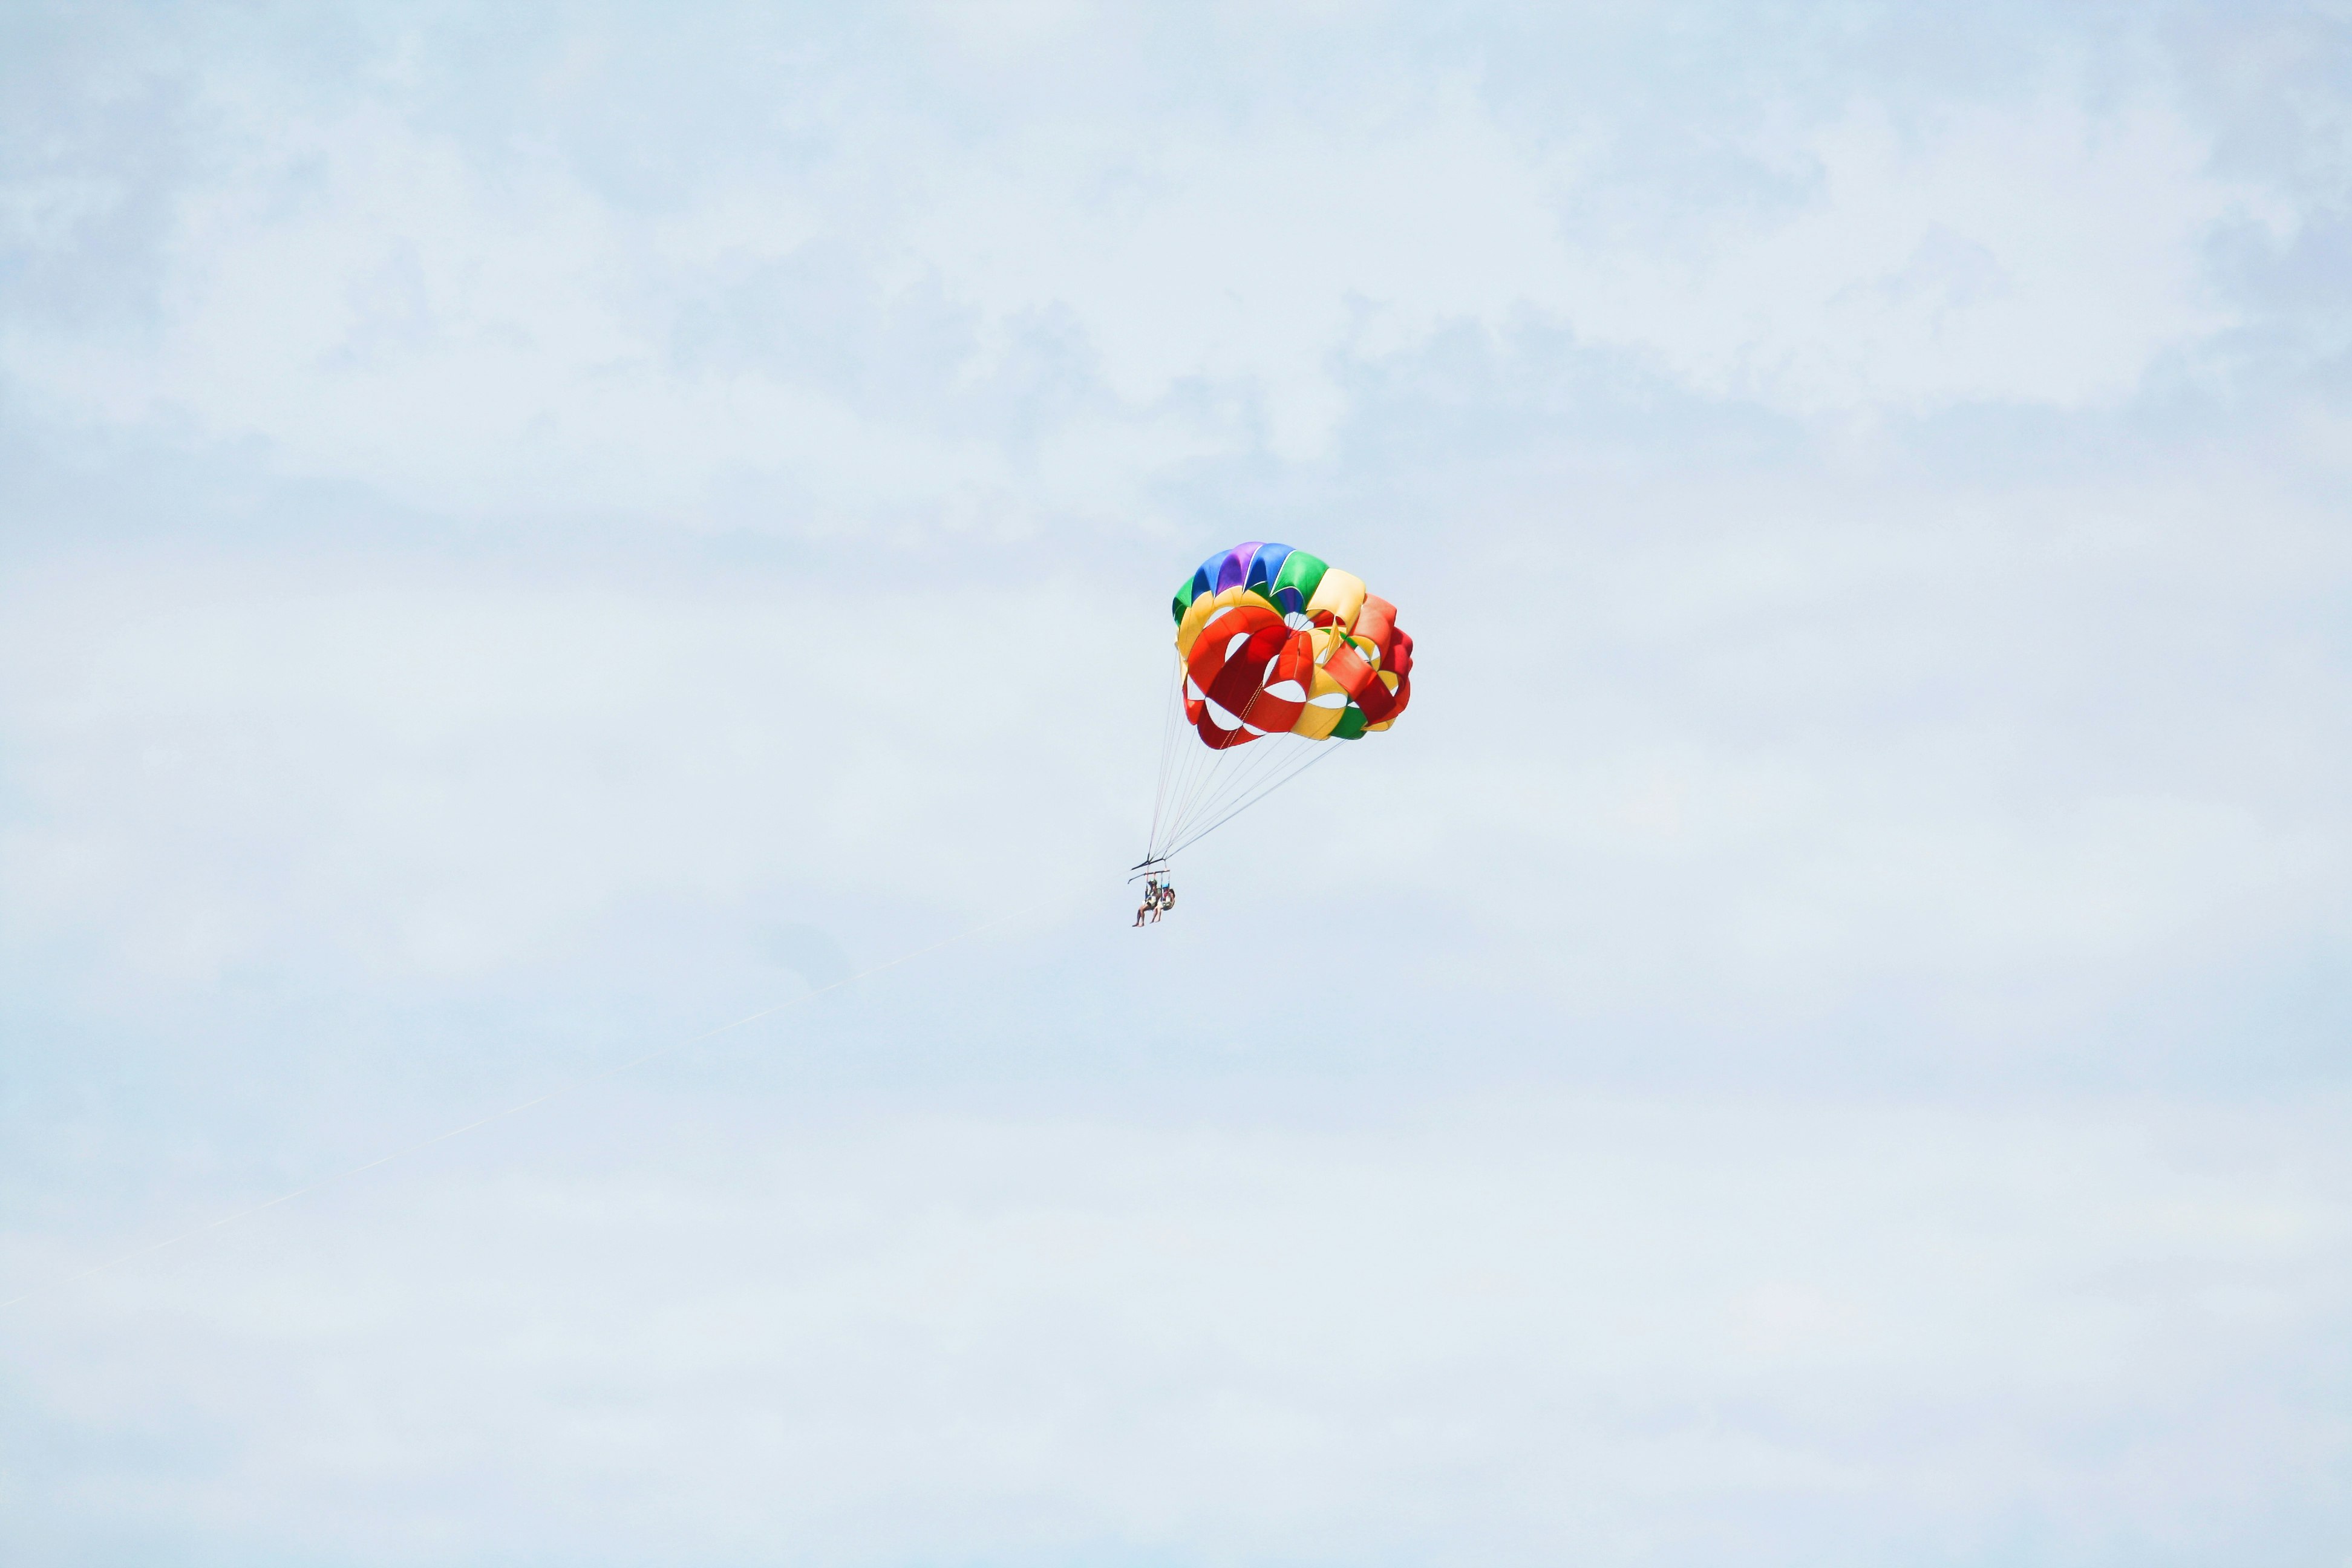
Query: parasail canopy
(1276, 651)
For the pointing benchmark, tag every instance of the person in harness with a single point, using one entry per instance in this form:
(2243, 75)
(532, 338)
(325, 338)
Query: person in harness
(1150, 905)
(1167, 898)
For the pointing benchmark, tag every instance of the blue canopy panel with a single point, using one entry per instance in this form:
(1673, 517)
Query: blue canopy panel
(1254, 565)
(1265, 566)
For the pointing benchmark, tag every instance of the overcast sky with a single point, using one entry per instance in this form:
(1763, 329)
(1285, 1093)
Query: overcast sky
(527, 534)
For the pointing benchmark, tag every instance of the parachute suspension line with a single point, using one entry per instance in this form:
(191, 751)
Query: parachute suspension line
(1210, 765)
(1208, 791)
(1195, 764)
(1171, 726)
(1187, 763)
(1282, 759)
(1232, 776)
(1208, 772)
(1328, 749)
(1205, 764)
(1250, 781)
(1285, 759)
(1274, 754)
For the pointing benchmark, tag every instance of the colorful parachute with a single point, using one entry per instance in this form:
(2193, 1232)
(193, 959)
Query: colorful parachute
(1272, 645)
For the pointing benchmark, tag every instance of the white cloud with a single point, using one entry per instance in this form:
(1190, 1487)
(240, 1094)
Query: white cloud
(478, 327)
(526, 540)
(2036, 252)
(434, 775)
(1619, 1330)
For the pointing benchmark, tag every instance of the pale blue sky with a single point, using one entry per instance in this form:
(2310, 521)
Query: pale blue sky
(527, 534)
